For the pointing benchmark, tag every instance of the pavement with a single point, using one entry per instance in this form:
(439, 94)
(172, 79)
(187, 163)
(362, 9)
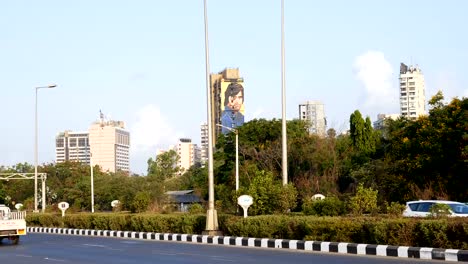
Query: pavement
(318, 246)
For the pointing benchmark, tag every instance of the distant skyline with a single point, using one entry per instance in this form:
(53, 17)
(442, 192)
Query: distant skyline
(143, 63)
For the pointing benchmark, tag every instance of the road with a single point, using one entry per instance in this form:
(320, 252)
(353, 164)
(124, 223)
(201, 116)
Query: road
(45, 248)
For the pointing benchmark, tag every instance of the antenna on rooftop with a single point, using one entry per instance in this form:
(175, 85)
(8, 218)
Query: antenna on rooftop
(101, 117)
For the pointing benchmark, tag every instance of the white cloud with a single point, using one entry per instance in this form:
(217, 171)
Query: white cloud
(376, 75)
(151, 130)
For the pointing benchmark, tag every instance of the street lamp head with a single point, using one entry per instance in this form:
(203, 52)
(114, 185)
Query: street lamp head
(53, 85)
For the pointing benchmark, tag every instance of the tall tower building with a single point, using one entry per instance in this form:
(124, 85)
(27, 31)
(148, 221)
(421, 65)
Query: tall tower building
(412, 92)
(227, 100)
(203, 143)
(110, 145)
(187, 153)
(314, 113)
(72, 146)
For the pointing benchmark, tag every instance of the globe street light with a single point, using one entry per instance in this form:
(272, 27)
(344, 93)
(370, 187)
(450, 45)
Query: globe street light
(35, 153)
(236, 131)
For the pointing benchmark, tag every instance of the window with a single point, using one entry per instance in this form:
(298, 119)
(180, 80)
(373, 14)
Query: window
(424, 207)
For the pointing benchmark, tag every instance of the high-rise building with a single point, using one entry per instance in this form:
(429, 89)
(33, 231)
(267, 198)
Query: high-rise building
(72, 146)
(186, 151)
(412, 92)
(381, 118)
(227, 100)
(314, 113)
(203, 143)
(110, 145)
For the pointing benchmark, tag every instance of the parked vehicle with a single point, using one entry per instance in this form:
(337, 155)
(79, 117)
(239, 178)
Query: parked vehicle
(12, 224)
(422, 208)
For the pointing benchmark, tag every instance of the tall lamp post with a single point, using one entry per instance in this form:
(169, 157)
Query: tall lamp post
(236, 131)
(92, 176)
(283, 103)
(35, 151)
(212, 227)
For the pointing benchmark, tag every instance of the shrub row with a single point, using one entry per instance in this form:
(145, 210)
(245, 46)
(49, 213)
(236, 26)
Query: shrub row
(437, 233)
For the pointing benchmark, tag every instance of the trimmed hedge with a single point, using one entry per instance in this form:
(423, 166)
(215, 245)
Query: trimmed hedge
(436, 233)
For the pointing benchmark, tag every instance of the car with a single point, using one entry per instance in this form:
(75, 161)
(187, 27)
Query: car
(422, 208)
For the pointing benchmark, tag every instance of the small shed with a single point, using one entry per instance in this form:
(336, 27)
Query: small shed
(183, 199)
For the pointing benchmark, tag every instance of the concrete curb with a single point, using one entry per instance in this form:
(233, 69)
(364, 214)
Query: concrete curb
(319, 246)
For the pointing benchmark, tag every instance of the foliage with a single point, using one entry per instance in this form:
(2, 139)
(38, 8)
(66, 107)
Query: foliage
(365, 200)
(196, 209)
(395, 209)
(439, 210)
(269, 196)
(330, 206)
(141, 202)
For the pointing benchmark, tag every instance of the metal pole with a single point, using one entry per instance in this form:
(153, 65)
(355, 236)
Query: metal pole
(211, 215)
(283, 102)
(237, 160)
(35, 154)
(35, 157)
(43, 193)
(92, 179)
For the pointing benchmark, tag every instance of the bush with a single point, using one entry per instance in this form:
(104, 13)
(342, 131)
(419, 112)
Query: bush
(439, 210)
(196, 209)
(395, 209)
(330, 206)
(365, 201)
(141, 202)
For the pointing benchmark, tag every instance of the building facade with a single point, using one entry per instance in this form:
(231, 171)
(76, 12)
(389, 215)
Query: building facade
(314, 113)
(222, 85)
(186, 151)
(72, 146)
(203, 150)
(110, 145)
(412, 92)
(381, 118)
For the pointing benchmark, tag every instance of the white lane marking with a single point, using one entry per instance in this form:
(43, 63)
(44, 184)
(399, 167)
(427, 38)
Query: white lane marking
(222, 259)
(26, 256)
(52, 259)
(130, 242)
(94, 245)
(101, 246)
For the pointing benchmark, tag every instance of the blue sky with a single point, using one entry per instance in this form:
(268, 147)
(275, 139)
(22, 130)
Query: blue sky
(143, 62)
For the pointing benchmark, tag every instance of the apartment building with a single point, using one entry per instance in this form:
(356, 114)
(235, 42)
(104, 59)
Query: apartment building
(203, 150)
(412, 92)
(72, 146)
(186, 151)
(110, 145)
(314, 113)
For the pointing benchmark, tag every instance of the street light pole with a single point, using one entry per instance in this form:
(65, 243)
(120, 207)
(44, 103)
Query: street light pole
(283, 103)
(236, 131)
(35, 151)
(212, 227)
(92, 177)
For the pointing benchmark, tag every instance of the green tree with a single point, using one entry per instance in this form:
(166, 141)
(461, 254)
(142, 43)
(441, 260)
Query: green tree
(365, 200)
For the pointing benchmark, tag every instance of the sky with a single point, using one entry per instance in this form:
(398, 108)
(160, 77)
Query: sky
(143, 62)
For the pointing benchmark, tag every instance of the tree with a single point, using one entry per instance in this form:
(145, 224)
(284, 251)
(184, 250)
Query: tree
(165, 166)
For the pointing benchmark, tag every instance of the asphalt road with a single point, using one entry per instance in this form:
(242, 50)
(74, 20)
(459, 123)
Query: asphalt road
(46, 248)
